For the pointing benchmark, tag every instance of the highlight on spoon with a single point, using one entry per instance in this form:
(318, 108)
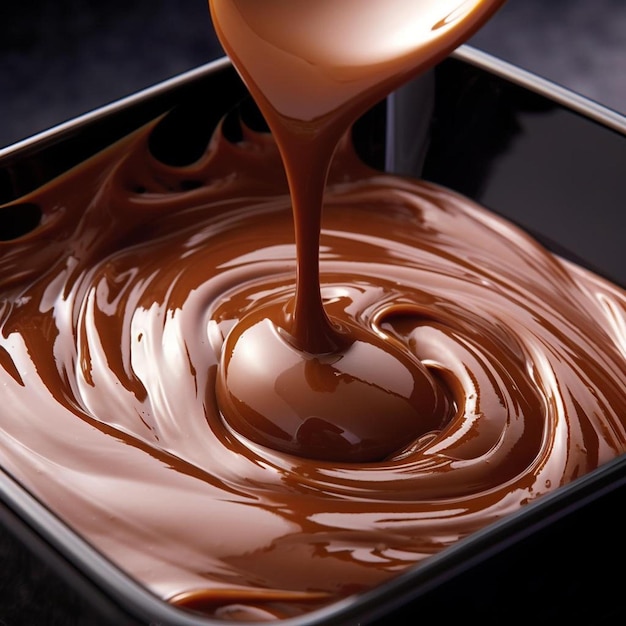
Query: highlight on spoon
(286, 50)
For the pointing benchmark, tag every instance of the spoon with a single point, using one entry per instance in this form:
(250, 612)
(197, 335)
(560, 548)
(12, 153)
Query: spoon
(301, 382)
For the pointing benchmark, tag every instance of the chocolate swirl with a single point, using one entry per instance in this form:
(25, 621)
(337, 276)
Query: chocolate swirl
(114, 312)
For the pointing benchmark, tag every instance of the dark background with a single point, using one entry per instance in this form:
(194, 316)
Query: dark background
(61, 58)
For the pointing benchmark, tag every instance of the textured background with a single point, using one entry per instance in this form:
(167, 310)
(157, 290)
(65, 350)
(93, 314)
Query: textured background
(59, 59)
(580, 44)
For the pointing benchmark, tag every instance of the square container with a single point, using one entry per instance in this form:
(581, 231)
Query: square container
(525, 148)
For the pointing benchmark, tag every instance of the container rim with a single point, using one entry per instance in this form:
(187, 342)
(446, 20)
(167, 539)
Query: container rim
(139, 602)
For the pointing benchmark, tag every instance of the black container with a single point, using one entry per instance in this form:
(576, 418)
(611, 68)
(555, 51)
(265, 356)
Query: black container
(545, 158)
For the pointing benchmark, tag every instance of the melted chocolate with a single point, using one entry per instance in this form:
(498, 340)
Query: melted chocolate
(114, 315)
(115, 312)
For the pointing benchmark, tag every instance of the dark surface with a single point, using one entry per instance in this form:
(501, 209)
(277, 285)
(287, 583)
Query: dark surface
(552, 171)
(60, 59)
(38, 587)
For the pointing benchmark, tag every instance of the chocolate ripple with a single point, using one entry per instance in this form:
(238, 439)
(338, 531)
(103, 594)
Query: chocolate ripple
(114, 311)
